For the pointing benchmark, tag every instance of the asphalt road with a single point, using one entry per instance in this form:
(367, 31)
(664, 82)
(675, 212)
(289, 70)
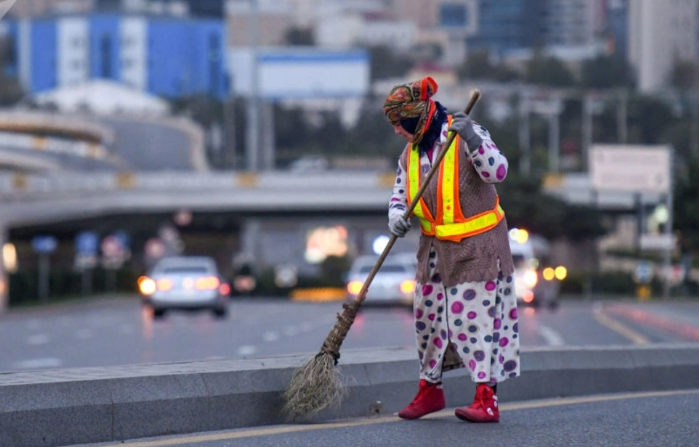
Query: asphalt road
(641, 419)
(119, 331)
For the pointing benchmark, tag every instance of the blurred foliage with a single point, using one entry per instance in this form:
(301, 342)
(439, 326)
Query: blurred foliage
(299, 37)
(527, 206)
(607, 72)
(546, 70)
(686, 208)
(685, 75)
(67, 284)
(10, 88)
(386, 63)
(479, 65)
(333, 269)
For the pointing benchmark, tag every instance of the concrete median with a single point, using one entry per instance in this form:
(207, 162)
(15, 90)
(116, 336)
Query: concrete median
(91, 405)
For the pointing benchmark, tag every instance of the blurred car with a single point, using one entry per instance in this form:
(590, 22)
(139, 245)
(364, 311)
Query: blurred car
(394, 283)
(185, 283)
(536, 282)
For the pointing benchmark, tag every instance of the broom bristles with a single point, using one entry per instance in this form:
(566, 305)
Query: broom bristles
(314, 387)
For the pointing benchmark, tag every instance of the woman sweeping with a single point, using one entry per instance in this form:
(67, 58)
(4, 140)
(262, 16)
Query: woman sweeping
(465, 305)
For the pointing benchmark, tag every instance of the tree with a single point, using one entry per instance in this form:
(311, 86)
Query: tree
(385, 63)
(299, 37)
(549, 71)
(10, 88)
(478, 65)
(607, 72)
(686, 208)
(527, 206)
(685, 75)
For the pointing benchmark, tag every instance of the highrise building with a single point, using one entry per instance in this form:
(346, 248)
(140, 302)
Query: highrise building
(661, 34)
(571, 22)
(509, 24)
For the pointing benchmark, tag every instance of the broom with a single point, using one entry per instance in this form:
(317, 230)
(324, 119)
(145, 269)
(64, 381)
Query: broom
(317, 385)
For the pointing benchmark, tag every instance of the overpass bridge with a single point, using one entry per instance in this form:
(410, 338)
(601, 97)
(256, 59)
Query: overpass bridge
(280, 205)
(29, 199)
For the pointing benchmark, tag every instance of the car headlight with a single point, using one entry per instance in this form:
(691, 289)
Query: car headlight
(146, 285)
(531, 278)
(561, 273)
(408, 286)
(354, 287)
(548, 274)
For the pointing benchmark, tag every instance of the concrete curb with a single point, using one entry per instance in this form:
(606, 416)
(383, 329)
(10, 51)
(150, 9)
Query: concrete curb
(90, 405)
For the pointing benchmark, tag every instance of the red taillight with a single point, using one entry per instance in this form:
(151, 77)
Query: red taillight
(224, 289)
(207, 283)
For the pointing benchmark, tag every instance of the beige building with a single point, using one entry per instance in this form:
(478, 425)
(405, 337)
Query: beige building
(423, 13)
(661, 33)
(33, 8)
(275, 18)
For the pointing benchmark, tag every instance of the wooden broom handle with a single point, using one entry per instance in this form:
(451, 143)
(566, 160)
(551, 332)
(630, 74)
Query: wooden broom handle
(475, 96)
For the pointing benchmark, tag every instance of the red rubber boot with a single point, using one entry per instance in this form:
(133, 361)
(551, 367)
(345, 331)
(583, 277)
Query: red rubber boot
(430, 398)
(484, 407)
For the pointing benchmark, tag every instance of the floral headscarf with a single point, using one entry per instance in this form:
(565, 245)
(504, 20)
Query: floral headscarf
(412, 100)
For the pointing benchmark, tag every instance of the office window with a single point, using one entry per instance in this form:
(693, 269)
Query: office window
(453, 15)
(105, 57)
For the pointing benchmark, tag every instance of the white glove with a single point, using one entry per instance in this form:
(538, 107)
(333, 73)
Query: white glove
(398, 225)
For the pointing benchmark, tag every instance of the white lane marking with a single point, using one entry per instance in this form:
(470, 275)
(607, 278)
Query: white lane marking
(38, 339)
(47, 362)
(270, 336)
(552, 337)
(246, 350)
(83, 334)
(290, 331)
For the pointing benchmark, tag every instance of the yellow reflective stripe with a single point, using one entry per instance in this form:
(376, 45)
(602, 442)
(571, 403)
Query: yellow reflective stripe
(481, 223)
(414, 183)
(447, 172)
(414, 174)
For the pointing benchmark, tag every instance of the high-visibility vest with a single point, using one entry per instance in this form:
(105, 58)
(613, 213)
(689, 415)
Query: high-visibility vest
(449, 224)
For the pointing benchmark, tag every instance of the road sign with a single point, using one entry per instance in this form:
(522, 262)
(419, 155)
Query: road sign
(87, 242)
(44, 244)
(658, 242)
(643, 272)
(630, 168)
(112, 247)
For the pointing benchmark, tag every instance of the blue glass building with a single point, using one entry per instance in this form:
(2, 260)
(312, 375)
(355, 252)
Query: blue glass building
(509, 25)
(166, 56)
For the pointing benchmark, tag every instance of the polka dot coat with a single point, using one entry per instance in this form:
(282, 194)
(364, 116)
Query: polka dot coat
(476, 319)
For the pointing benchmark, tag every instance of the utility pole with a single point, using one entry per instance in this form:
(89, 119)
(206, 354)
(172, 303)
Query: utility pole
(586, 129)
(694, 133)
(667, 261)
(554, 141)
(253, 106)
(524, 135)
(622, 123)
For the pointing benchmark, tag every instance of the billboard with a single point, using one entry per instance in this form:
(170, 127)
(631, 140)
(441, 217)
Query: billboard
(630, 168)
(293, 73)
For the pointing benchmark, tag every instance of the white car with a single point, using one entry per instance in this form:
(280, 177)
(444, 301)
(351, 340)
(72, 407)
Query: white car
(394, 283)
(185, 283)
(535, 281)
